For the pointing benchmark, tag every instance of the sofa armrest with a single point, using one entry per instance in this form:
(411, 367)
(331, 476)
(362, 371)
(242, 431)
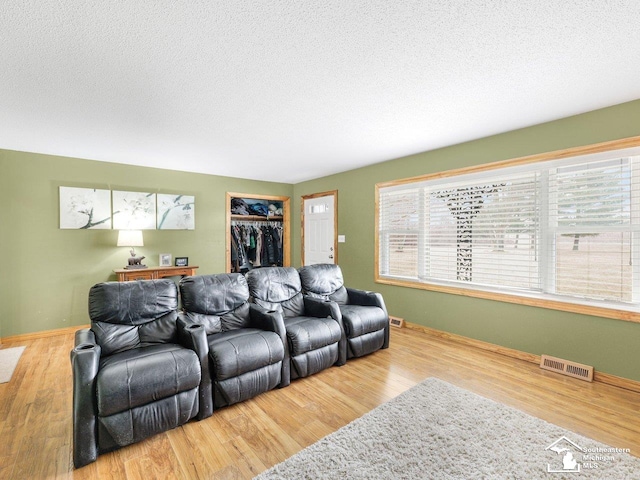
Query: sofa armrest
(270, 320)
(189, 332)
(373, 299)
(366, 298)
(85, 335)
(193, 336)
(273, 321)
(317, 307)
(85, 362)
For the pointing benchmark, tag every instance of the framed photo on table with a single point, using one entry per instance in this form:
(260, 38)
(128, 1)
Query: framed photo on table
(182, 261)
(165, 260)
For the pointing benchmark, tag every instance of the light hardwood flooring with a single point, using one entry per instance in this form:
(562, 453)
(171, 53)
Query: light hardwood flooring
(242, 440)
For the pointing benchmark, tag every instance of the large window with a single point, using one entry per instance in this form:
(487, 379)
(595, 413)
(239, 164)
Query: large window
(557, 232)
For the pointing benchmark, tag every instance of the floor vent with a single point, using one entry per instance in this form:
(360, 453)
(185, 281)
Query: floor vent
(396, 322)
(565, 367)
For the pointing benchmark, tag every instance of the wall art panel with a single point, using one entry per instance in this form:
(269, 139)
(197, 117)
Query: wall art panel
(134, 210)
(176, 212)
(85, 208)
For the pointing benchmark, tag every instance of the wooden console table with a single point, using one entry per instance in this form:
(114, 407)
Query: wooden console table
(153, 273)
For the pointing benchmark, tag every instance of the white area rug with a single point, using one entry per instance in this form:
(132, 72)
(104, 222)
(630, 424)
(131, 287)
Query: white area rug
(8, 360)
(436, 430)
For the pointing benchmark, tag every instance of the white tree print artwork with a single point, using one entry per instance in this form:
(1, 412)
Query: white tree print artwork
(176, 212)
(85, 208)
(134, 210)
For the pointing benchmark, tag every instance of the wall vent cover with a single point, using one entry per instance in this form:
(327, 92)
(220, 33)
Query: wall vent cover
(565, 367)
(396, 322)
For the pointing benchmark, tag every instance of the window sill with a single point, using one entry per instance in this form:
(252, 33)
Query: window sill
(542, 301)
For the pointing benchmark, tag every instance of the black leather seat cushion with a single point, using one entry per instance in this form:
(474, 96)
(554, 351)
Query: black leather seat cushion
(139, 376)
(359, 320)
(310, 333)
(240, 351)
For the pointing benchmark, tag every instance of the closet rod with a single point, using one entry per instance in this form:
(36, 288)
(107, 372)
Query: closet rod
(255, 223)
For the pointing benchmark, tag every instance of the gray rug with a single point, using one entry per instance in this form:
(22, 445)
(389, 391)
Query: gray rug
(8, 360)
(436, 430)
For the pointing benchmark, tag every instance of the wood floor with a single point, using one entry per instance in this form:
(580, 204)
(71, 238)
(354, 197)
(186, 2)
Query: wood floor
(245, 439)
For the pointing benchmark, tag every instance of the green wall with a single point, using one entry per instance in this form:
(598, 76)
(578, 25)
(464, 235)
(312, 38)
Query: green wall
(46, 272)
(611, 346)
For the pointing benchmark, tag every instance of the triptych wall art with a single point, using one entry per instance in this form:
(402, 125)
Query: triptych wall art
(90, 208)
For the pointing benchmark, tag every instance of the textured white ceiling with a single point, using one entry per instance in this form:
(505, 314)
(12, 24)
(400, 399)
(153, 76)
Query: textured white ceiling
(292, 90)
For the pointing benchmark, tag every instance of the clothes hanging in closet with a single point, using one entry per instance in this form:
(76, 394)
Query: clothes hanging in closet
(254, 246)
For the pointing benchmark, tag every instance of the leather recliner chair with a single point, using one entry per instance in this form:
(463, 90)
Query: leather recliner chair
(137, 371)
(364, 314)
(315, 336)
(246, 344)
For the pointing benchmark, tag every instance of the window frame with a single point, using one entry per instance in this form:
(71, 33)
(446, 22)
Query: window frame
(588, 307)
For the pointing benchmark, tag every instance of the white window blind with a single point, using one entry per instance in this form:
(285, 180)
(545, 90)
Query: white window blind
(591, 226)
(401, 231)
(564, 230)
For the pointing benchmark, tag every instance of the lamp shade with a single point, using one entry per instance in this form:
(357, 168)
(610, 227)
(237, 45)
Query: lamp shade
(130, 238)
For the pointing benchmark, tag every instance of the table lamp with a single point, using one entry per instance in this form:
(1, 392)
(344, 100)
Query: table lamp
(132, 238)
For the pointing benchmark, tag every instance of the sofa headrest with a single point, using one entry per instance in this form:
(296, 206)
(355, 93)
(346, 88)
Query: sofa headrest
(126, 315)
(132, 303)
(274, 284)
(214, 294)
(321, 279)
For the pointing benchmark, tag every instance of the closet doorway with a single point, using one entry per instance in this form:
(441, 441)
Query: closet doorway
(319, 219)
(257, 231)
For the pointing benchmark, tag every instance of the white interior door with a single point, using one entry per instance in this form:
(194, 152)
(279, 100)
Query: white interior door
(319, 229)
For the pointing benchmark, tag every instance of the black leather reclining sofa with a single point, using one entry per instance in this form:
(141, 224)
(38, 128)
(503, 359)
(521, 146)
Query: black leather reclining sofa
(144, 367)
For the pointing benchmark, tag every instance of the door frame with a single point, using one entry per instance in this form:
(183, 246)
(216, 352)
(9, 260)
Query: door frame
(333, 193)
